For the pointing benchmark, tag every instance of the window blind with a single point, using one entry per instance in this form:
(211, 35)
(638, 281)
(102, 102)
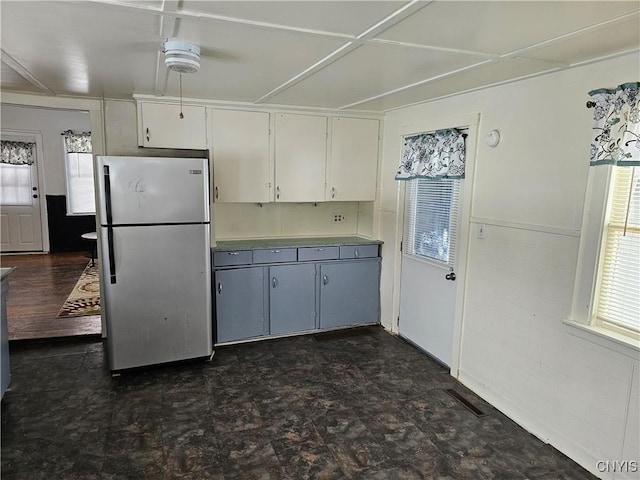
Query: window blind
(431, 219)
(619, 291)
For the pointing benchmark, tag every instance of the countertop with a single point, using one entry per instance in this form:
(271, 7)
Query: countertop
(292, 242)
(5, 271)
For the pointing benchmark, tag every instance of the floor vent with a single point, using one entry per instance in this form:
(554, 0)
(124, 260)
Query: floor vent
(466, 403)
(340, 334)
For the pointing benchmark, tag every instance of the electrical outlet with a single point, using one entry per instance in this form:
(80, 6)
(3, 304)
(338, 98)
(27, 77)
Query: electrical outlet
(339, 218)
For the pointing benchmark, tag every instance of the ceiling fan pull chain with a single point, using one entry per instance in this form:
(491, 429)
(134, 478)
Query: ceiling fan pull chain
(181, 116)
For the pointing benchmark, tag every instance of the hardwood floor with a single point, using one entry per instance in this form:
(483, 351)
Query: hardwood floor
(38, 287)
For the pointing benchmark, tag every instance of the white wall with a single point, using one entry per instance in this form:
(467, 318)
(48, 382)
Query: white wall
(50, 123)
(579, 395)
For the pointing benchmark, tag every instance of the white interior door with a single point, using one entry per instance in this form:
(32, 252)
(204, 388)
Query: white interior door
(20, 215)
(428, 285)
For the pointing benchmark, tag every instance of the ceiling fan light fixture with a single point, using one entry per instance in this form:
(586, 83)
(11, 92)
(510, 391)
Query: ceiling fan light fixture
(181, 56)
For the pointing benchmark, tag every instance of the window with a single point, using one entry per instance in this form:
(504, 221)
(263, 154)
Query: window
(431, 221)
(618, 292)
(79, 173)
(80, 191)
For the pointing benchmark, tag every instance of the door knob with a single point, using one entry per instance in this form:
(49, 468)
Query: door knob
(450, 276)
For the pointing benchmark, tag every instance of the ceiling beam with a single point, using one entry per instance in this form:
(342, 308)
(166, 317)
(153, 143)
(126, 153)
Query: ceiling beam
(168, 28)
(384, 24)
(24, 73)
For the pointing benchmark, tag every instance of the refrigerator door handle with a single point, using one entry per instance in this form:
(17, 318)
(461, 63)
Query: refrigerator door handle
(112, 258)
(107, 194)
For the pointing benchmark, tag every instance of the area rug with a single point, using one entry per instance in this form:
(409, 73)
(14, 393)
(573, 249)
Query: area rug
(85, 297)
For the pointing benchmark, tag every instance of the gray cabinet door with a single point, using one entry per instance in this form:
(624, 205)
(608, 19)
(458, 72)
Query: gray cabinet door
(240, 301)
(292, 298)
(349, 293)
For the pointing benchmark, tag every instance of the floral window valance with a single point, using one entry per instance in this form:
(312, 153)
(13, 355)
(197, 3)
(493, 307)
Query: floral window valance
(77, 142)
(17, 153)
(616, 125)
(440, 154)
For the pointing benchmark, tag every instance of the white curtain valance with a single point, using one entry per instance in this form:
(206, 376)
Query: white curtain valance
(17, 153)
(616, 126)
(77, 142)
(440, 154)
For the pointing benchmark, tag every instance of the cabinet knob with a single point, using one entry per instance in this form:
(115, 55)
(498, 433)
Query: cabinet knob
(277, 193)
(356, 253)
(325, 279)
(219, 288)
(216, 193)
(148, 136)
(333, 192)
(274, 282)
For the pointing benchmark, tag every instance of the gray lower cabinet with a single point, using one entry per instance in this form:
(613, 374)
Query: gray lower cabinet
(349, 293)
(240, 304)
(281, 291)
(292, 298)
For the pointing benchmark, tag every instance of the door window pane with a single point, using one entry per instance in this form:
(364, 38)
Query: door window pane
(431, 219)
(15, 184)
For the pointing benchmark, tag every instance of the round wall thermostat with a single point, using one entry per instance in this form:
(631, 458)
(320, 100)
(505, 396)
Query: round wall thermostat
(493, 138)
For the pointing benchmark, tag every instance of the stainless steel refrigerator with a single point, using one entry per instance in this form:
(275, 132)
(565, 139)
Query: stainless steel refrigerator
(153, 216)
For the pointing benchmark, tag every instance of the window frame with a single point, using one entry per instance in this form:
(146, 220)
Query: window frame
(582, 317)
(597, 319)
(68, 187)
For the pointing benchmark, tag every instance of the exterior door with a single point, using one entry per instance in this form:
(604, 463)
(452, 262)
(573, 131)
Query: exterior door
(20, 216)
(434, 250)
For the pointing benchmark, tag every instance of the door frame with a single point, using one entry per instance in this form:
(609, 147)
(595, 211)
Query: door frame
(96, 121)
(42, 200)
(470, 121)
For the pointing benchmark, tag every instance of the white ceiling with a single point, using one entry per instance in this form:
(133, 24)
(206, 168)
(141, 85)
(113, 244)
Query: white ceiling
(362, 55)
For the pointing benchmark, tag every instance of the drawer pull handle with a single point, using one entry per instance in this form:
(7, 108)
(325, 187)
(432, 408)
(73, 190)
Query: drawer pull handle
(219, 288)
(276, 251)
(319, 249)
(148, 136)
(277, 193)
(357, 254)
(233, 253)
(216, 193)
(325, 279)
(274, 282)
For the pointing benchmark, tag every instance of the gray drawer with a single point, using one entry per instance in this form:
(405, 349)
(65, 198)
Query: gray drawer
(234, 257)
(359, 251)
(275, 255)
(318, 253)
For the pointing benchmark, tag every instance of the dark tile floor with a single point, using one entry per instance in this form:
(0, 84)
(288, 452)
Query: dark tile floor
(362, 407)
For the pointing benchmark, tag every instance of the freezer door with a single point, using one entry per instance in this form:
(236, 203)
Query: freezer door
(159, 307)
(148, 190)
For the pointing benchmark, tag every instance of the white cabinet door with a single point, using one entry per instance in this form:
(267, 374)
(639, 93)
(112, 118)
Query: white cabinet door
(353, 164)
(300, 158)
(162, 127)
(241, 170)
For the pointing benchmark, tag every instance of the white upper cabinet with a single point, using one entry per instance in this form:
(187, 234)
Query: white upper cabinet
(353, 163)
(300, 157)
(241, 168)
(161, 127)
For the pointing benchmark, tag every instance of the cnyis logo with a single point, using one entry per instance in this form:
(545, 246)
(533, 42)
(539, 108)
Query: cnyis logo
(621, 466)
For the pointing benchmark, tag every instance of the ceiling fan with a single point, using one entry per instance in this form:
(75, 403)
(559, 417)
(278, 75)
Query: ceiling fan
(181, 56)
